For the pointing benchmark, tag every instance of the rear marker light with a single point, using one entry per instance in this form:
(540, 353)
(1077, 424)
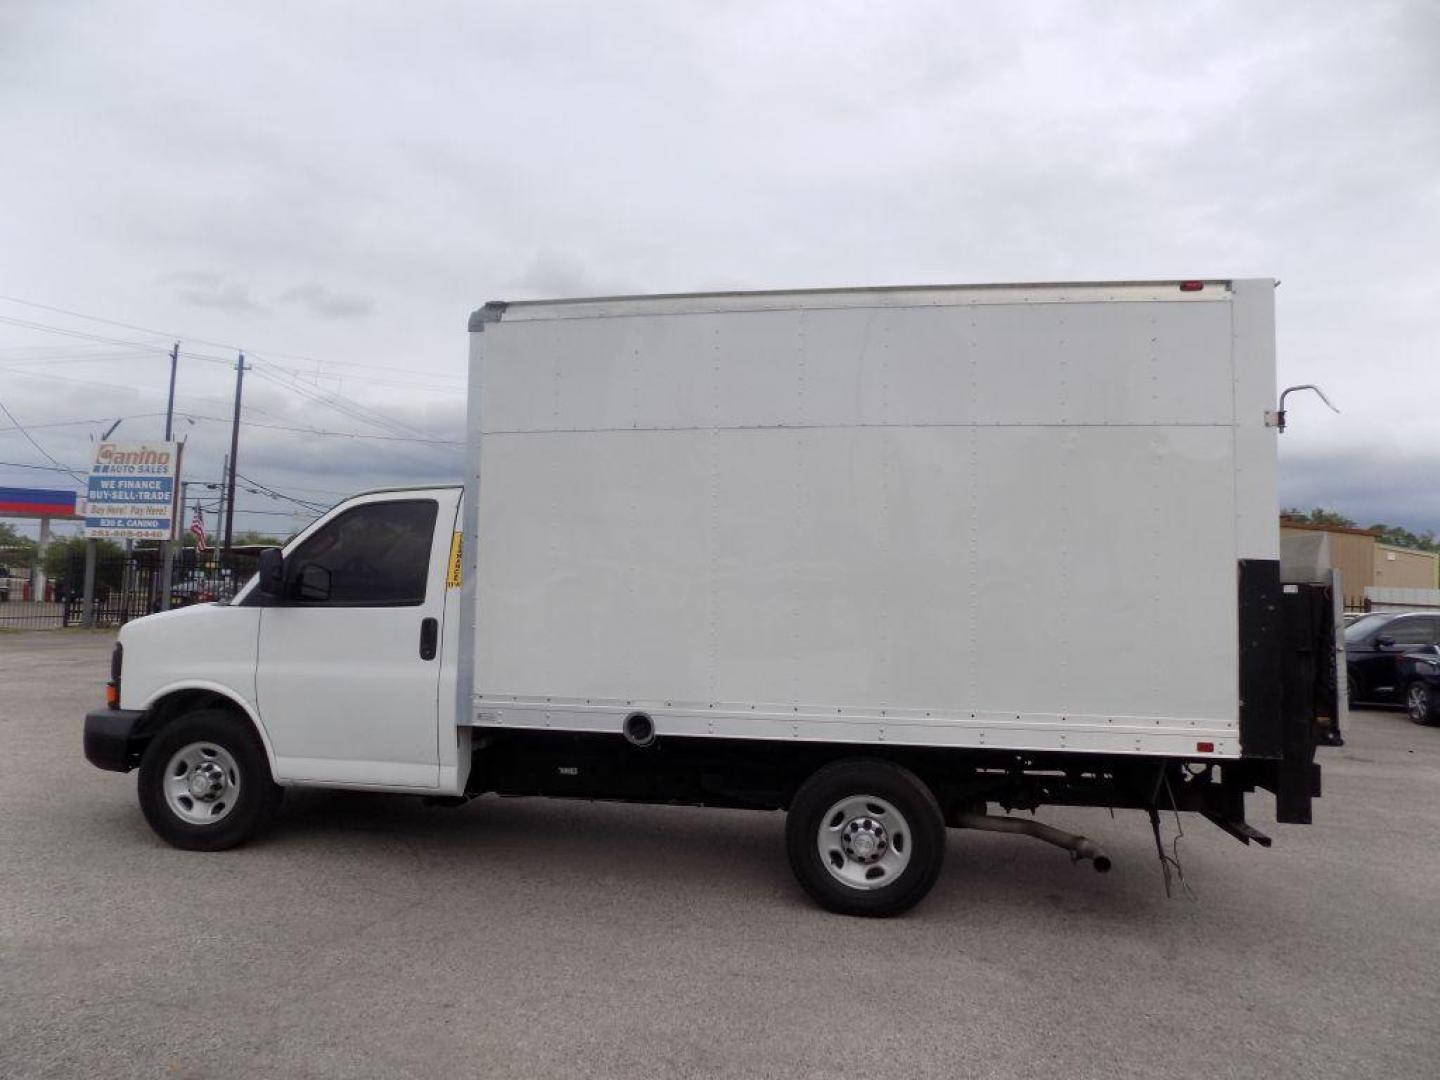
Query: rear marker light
(1204, 747)
(1191, 286)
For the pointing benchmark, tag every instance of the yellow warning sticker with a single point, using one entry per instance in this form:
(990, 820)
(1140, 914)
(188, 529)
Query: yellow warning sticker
(455, 576)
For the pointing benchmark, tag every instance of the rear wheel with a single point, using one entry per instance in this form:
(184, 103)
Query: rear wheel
(865, 837)
(205, 783)
(1420, 702)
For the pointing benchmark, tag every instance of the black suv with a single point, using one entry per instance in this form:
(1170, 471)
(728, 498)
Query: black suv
(1420, 677)
(1373, 645)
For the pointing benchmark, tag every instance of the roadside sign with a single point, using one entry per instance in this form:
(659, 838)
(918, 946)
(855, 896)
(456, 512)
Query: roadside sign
(132, 491)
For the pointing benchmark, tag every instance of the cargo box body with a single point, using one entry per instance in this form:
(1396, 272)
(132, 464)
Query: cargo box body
(998, 517)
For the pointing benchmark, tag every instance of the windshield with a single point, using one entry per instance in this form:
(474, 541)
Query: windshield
(1364, 626)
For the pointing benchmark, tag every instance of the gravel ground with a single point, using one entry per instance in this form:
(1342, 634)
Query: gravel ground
(371, 936)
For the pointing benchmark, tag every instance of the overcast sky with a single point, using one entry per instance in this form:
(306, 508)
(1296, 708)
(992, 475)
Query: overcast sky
(334, 187)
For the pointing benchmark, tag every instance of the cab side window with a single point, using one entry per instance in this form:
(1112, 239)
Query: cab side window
(1419, 630)
(375, 555)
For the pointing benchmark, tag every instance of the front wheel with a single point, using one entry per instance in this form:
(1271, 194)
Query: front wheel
(1420, 703)
(205, 783)
(865, 837)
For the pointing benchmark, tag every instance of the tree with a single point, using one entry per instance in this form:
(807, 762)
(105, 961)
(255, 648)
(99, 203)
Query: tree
(1399, 536)
(16, 550)
(65, 562)
(1318, 516)
(1395, 535)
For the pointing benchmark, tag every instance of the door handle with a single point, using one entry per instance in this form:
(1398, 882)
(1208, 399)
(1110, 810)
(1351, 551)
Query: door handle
(429, 636)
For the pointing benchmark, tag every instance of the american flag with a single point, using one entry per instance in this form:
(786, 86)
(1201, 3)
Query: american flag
(197, 530)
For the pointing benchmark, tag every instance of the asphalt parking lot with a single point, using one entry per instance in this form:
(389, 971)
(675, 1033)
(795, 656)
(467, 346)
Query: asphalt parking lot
(372, 936)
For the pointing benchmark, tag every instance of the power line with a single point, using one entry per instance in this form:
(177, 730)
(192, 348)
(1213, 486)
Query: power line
(84, 423)
(318, 432)
(329, 434)
(278, 513)
(343, 405)
(24, 368)
(340, 377)
(81, 335)
(46, 453)
(113, 386)
(107, 322)
(228, 346)
(54, 361)
(41, 349)
(40, 468)
(141, 390)
(68, 332)
(263, 489)
(319, 491)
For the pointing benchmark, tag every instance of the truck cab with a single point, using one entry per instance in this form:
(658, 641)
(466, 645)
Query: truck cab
(336, 662)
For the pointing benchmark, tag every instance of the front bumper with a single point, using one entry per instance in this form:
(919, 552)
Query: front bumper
(110, 739)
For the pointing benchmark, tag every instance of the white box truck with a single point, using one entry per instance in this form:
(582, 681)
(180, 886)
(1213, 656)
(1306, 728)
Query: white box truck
(881, 558)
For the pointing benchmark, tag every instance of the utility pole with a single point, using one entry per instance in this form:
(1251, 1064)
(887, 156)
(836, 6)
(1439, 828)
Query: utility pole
(220, 508)
(170, 404)
(234, 455)
(167, 548)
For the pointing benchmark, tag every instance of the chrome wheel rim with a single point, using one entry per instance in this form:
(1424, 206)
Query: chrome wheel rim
(1419, 702)
(864, 842)
(202, 783)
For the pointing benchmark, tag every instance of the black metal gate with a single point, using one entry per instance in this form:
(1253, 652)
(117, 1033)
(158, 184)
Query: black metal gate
(127, 587)
(24, 603)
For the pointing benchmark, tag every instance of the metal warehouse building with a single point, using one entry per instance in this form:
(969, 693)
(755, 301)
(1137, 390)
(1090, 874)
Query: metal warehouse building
(1365, 563)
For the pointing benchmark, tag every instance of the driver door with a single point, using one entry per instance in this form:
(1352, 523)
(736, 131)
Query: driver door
(348, 671)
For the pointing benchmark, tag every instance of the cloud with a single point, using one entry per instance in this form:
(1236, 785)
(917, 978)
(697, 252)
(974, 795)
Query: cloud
(552, 275)
(204, 289)
(320, 301)
(1369, 486)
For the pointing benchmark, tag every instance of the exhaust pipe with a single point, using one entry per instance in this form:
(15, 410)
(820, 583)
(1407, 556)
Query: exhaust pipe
(1078, 846)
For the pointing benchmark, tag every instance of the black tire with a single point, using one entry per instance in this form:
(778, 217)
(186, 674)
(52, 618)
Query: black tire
(246, 772)
(911, 807)
(1420, 703)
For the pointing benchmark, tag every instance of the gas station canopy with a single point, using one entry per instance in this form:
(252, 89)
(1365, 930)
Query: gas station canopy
(18, 502)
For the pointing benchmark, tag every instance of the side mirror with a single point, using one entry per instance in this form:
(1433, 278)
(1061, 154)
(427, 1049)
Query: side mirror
(272, 572)
(1383, 642)
(313, 583)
